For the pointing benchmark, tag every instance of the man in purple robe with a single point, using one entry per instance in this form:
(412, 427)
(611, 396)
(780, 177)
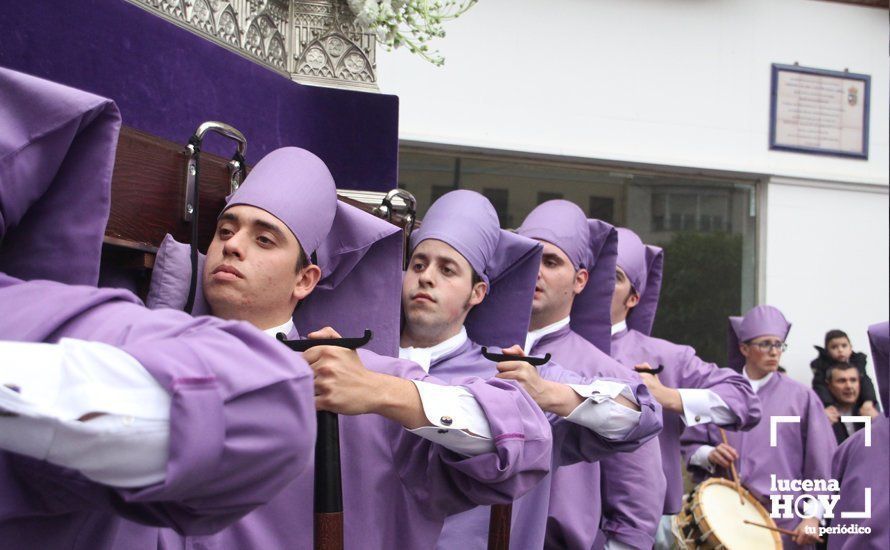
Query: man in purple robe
(108, 410)
(862, 471)
(690, 391)
(470, 281)
(802, 451)
(426, 450)
(570, 318)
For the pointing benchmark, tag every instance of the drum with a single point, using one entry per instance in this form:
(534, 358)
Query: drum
(713, 518)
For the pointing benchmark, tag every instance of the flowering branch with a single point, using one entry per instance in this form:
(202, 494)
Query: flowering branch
(410, 23)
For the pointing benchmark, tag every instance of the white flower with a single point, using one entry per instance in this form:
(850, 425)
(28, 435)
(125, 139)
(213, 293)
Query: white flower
(411, 23)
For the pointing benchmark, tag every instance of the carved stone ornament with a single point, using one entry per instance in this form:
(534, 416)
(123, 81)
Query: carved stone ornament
(314, 42)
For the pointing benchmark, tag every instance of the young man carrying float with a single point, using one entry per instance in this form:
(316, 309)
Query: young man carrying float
(464, 274)
(111, 412)
(690, 391)
(570, 317)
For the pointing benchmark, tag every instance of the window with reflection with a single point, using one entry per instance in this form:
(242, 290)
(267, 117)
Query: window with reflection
(707, 226)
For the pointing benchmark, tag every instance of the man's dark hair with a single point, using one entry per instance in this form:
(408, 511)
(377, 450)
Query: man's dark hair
(476, 278)
(838, 367)
(302, 260)
(834, 334)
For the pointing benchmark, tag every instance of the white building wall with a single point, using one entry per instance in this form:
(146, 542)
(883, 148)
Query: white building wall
(673, 82)
(826, 264)
(680, 83)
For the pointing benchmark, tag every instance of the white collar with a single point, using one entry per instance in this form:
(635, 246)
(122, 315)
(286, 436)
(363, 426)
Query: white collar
(756, 384)
(425, 357)
(286, 328)
(619, 327)
(534, 335)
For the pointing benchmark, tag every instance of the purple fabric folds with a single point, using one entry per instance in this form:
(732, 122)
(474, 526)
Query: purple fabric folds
(227, 381)
(683, 369)
(879, 338)
(57, 148)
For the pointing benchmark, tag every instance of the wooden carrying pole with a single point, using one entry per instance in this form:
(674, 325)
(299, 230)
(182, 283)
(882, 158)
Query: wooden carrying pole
(499, 523)
(499, 527)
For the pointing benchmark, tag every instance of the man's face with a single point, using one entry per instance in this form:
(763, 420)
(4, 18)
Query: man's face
(623, 298)
(557, 283)
(839, 350)
(251, 264)
(763, 353)
(844, 385)
(438, 290)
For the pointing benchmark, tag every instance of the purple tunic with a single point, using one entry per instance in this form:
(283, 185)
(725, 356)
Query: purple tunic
(397, 487)
(633, 489)
(57, 149)
(803, 450)
(856, 467)
(237, 435)
(577, 491)
(575, 444)
(683, 369)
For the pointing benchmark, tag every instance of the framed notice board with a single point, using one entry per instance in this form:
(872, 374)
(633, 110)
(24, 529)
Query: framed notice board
(819, 112)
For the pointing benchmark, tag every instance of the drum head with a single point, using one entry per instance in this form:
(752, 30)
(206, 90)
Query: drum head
(726, 516)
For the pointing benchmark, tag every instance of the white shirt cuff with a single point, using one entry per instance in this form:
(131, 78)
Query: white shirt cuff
(703, 406)
(458, 422)
(700, 458)
(57, 384)
(600, 413)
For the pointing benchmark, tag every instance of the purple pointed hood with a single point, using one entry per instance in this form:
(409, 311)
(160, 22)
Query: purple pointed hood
(759, 321)
(509, 263)
(879, 338)
(57, 147)
(361, 286)
(589, 244)
(643, 264)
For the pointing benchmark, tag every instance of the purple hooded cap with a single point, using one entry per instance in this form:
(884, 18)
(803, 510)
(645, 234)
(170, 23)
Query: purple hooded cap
(355, 251)
(759, 321)
(57, 147)
(296, 187)
(589, 244)
(643, 264)
(509, 263)
(879, 338)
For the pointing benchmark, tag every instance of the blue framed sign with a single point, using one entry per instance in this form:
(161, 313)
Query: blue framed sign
(819, 112)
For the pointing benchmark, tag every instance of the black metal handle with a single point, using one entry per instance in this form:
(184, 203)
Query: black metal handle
(303, 345)
(500, 357)
(192, 185)
(650, 371)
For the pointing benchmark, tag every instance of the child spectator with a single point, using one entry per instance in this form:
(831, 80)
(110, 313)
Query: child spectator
(838, 349)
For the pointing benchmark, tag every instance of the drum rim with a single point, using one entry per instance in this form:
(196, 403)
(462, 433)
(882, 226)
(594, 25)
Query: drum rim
(701, 524)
